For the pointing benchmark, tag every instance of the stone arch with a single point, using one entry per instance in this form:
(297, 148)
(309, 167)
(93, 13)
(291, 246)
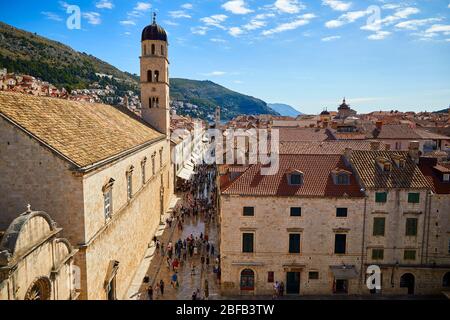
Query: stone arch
(407, 280)
(247, 279)
(446, 280)
(40, 289)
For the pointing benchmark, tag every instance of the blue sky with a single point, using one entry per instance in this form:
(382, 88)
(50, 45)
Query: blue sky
(309, 54)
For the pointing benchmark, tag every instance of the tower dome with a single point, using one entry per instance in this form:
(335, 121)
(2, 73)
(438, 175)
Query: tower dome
(344, 106)
(154, 32)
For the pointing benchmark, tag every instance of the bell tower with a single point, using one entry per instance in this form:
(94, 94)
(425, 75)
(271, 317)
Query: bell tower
(155, 77)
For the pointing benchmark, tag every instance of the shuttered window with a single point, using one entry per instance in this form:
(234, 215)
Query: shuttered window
(381, 197)
(247, 242)
(411, 227)
(378, 226)
(294, 243)
(340, 243)
(413, 197)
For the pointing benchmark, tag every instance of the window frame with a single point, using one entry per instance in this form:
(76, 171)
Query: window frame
(408, 227)
(252, 243)
(409, 251)
(291, 248)
(378, 256)
(339, 215)
(300, 177)
(313, 272)
(383, 195)
(336, 236)
(295, 208)
(247, 214)
(375, 230)
(414, 197)
(107, 209)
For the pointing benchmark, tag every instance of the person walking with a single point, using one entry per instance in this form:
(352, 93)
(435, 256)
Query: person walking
(150, 292)
(161, 286)
(174, 280)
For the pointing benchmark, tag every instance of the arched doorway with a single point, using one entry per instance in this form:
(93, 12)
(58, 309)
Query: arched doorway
(408, 281)
(446, 280)
(247, 280)
(40, 289)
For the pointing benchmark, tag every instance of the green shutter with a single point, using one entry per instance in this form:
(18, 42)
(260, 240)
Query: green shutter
(381, 197)
(379, 226)
(377, 254)
(411, 227)
(294, 243)
(247, 242)
(409, 255)
(413, 197)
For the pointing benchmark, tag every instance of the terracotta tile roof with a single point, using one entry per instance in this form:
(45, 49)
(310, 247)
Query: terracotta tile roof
(318, 181)
(372, 176)
(430, 169)
(85, 133)
(324, 147)
(395, 131)
(303, 134)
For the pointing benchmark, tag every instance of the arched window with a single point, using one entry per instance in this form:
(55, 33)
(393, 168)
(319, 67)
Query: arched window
(149, 76)
(162, 50)
(156, 76)
(157, 102)
(247, 280)
(153, 49)
(407, 281)
(40, 289)
(446, 280)
(145, 50)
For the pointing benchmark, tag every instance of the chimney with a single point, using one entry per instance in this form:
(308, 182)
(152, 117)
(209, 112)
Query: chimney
(375, 145)
(348, 154)
(379, 125)
(414, 152)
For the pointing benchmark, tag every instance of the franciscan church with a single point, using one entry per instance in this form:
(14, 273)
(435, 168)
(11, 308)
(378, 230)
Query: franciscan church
(96, 182)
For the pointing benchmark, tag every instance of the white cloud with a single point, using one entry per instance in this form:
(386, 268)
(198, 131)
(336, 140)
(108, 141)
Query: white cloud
(170, 23)
(235, 31)
(400, 14)
(215, 20)
(379, 35)
(445, 28)
(414, 24)
(337, 5)
(104, 4)
(127, 22)
(289, 6)
(92, 18)
(237, 7)
(52, 16)
(201, 30)
(391, 6)
(187, 6)
(346, 18)
(142, 6)
(218, 40)
(300, 21)
(179, 14)
(215, 74)
(331, 38)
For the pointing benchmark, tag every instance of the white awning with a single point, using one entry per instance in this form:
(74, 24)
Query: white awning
(186, 173)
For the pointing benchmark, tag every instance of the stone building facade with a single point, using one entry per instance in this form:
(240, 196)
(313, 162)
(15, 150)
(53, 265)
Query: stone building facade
(34, 263)
(101, 172)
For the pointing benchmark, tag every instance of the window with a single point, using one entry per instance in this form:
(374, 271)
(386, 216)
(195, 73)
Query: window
(377, 254)
(446, 177)
(129, 176)
(161, 158)
(446, 280)
(387, 167)
(270, 276)
(313, 275)
(247, 280)
(247, 242)
(248, 211)
(149, 76)
(143, 170)
(341, 212)
(294, 243)
(379, 226)
(153, 49)
(413, 197)
(409, 255)
(343, 179)
(411, 227)
(107, 199)
(296, 179)
(296, 212)
(381, 197)
(153, 165)
(340, 243)
(156, 76)
(145, 50)
(162, 50)
(448, 246)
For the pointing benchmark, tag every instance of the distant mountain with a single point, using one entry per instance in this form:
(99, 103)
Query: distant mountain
(208, 95)
(442, 111)
(52, 61)
(284, 109)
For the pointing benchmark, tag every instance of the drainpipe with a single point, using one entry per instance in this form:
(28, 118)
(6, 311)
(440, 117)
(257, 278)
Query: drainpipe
(428, 217)
(363, 242)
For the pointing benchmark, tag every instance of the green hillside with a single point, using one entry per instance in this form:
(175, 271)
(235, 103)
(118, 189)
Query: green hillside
(52, 61)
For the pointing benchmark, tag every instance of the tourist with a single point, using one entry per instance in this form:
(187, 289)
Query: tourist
(161, 287)
(150, 292)
(174, 280)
